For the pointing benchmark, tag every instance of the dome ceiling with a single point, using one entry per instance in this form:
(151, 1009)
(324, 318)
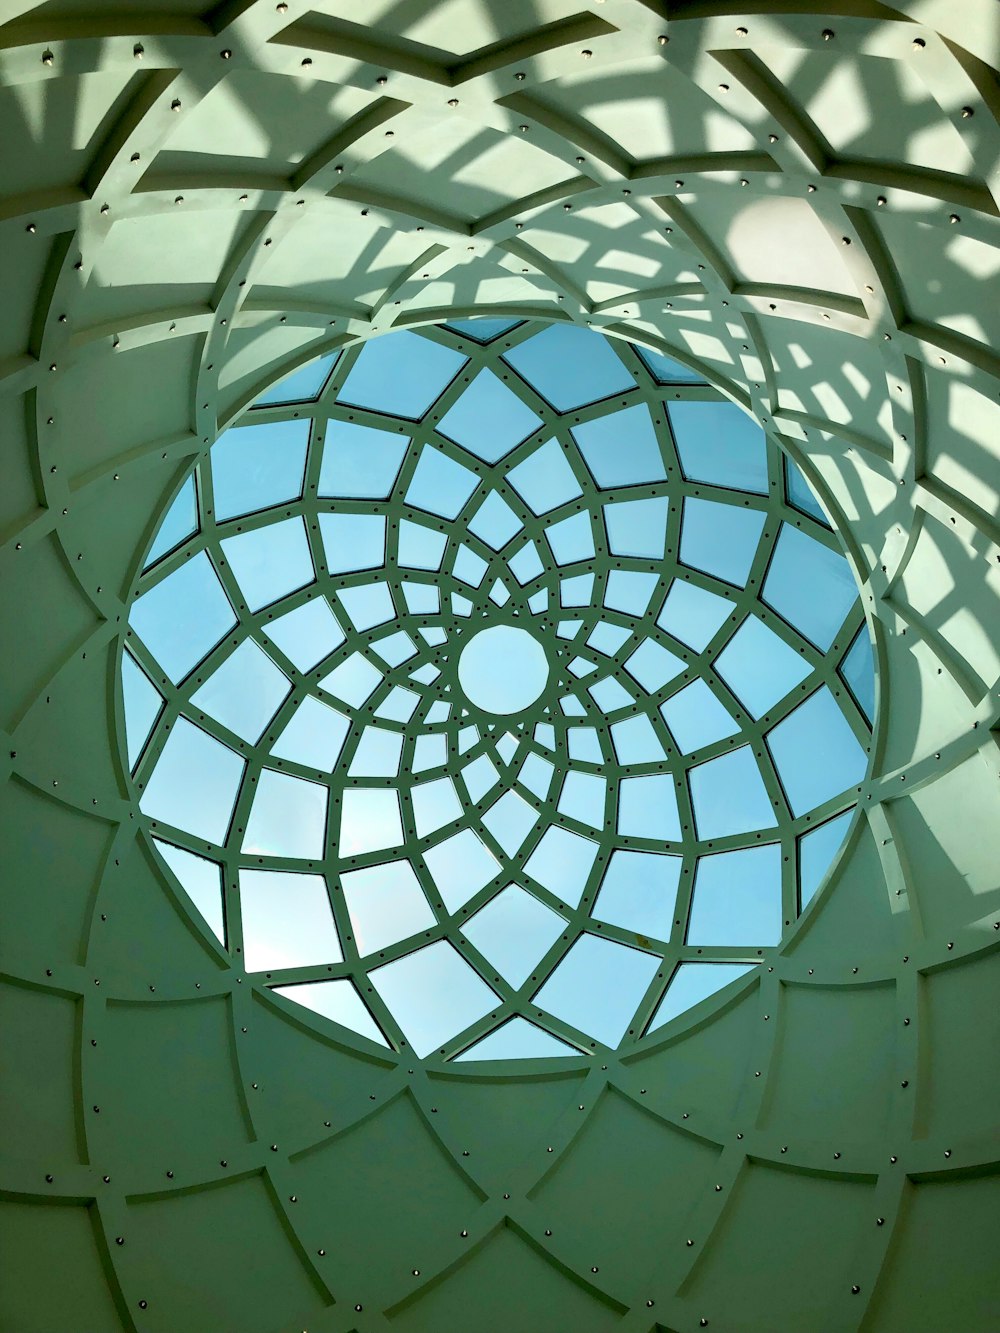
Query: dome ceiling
(801, 205)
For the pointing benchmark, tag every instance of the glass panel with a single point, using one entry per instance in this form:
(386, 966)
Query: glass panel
(526, 565)
(606, 638)
(517, 1040)
(858, 670)
(482, 329)
(503, 669)
(287, 921)
(460, 866)
(254, 467)
(143, 702)
(433, 994)
(369, 821)
(183, 617)
(639, 892)
(488, 419)
(665, 370)
(514, 932)
(353, 541)
(637, 527)
(244, 693)
(629, 591)
(434, 805)
(270, 562)
(621, 449)
(571, 539)
(337, 1000)
(496, 523)
(570, 366)
(816, 753)
(510, 820)
(439, 484)
(737, 898)
(817, 848)
(395, 648)
(479, 777)
(583, 798)
(647, 808)
(636, 742)
(609, 694)
(368, 606)
(313, 736)
(545, 479)
(287, 818)
(536, 774)
(419, 546)
(759, 667)
(307, 634)
(353, 681)
(692, 615)
(720, 539)
(696, 717)
(430, 752)
(584, 745)
(562, 862)
(302, 385)
(179, 522)
(468, 567)
(360, 462)
(378, 754)
(729, 796)
(801, 494)
(386, 903)
(652, 665)
(402, 375)
(194, 784)
(597, 987)
(692, 983)
(810, 585)
(719, 443)
(201, 880)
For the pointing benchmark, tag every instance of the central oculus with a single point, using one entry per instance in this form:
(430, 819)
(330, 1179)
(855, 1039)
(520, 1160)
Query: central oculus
(503, 670)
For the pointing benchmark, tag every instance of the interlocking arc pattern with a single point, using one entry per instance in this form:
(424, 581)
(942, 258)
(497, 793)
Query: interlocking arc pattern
(826, 1141)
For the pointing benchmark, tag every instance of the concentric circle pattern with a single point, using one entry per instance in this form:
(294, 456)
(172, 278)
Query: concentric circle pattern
(497, 690)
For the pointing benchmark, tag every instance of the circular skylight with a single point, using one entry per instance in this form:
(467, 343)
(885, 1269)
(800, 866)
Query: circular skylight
(496, 690)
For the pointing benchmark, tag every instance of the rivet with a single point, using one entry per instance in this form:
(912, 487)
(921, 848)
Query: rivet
(226, 54)
(880, 1221)
(50, 1179)
(416, 1272)
(953, 218)
(47, 58)
(828, 34)
(586, 54)
(663, 39)
(307, 61)
(918, 43)
(138, 50)
(855, 1289)
(119, 1240)
(175, 105)
(31, 228)
(967, 113)
(836, 1156)
(893, 1160)
(143, 1305)
(463, 1233)
(453, 101)
(170, 1175)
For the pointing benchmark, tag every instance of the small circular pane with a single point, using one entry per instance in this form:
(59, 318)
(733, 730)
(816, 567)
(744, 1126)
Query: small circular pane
(503, 670)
